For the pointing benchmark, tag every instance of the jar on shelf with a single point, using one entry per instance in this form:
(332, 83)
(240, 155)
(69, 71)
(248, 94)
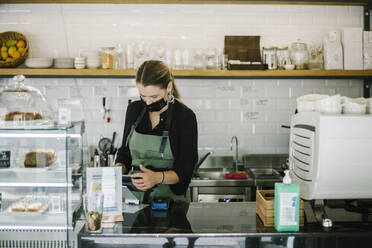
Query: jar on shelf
(282, 55)
(108, 54)
(316, 61)
(299, 55)
(269, 57)
(211, 59)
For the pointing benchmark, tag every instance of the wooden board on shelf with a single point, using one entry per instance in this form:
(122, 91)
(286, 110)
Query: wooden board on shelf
(301, 2)
(6, 72)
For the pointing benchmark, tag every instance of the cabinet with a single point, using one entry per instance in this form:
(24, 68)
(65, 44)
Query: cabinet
(39, 205)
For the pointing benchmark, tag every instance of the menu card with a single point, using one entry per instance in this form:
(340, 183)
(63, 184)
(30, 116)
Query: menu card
(108, 181)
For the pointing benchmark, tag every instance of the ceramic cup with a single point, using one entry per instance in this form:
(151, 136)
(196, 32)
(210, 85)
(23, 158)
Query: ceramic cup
(354, 106)
(330, 105)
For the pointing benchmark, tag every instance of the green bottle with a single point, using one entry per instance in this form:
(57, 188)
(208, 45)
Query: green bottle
(287, 205)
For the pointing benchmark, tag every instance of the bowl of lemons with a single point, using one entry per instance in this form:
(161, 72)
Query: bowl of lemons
(14, 49)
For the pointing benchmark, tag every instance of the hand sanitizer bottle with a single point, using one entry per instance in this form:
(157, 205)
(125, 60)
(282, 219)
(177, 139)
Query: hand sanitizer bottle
(287, 205)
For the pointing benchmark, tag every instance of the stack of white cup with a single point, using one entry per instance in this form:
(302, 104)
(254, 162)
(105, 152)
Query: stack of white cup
(80, 62)
(93, 58)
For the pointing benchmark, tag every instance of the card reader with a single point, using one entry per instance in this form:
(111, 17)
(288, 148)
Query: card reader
(160, 204)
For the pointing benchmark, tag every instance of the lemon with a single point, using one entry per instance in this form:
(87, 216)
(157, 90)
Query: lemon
(4, 48)
(10, 43)
(16, 55)
(20, 43)
(4, 55)
(21, 50)
(12, 50)
(8, 59)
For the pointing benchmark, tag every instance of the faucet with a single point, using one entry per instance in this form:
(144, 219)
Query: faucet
(236, 162)
(202, 160)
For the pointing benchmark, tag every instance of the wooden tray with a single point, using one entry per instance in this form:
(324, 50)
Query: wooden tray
(245, 67)
(265, 207)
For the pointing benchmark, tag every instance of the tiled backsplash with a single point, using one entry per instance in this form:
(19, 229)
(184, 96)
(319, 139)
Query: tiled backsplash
(64, 29)
(254, 110)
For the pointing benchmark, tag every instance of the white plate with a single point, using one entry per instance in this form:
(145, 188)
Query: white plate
(33, 124)
(29, 214)
(39, 62)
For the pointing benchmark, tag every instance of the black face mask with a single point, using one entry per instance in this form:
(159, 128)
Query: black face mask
(155, 106)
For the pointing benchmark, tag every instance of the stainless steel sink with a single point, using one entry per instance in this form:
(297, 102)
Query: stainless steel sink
(215, 177)
(208, 181)
(264, 177)
(212, 174)
(218, 162)
(264, 173)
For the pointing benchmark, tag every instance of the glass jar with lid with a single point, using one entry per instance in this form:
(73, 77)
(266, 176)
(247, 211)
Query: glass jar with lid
(299, 55)
(108, 54)
(282, 55)
(316, 61)
(269, 57)
(22, 105)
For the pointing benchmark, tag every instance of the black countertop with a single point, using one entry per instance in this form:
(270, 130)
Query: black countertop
(231, 224)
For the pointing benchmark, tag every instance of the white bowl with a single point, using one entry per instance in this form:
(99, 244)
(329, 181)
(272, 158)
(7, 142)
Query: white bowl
(79, 66)
(80, 59)
(355, 106)
(39, 62)
(306, 103)
(93, 65)
(331, 104)
(289, 67)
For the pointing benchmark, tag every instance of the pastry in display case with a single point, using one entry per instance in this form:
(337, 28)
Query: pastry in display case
(40, 179)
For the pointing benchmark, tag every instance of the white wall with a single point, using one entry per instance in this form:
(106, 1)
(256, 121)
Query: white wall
(251, 109)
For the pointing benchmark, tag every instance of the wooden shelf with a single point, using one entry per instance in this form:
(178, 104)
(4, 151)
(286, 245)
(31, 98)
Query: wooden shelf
(303, 2)
(5, 72)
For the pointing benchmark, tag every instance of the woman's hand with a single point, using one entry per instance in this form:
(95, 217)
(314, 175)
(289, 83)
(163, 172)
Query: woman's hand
(146, 179)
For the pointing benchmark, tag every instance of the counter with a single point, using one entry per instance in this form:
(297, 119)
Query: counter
(231, 224)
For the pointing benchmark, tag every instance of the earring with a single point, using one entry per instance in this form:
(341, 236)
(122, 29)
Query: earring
(170, 97)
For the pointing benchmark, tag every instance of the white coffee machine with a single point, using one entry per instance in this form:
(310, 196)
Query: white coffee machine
(331, 155)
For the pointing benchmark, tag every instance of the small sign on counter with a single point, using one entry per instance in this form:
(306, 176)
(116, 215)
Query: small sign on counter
(4, 159)
(108, 181)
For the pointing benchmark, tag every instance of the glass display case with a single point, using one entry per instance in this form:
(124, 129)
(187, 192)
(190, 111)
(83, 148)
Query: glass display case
(40, 185)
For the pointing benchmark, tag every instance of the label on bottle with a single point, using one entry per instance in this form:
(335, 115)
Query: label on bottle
(332, 36)
(288, 202)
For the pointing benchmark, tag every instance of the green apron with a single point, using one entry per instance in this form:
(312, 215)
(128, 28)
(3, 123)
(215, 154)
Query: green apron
(144, 149)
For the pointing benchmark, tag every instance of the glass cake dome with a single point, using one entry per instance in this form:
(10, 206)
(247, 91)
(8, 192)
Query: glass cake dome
(22, 105)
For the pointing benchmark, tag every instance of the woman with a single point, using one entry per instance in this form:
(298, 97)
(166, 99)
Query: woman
(159, 146)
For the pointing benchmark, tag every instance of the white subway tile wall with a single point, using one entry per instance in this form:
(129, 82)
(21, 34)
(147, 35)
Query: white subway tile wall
(254, 110)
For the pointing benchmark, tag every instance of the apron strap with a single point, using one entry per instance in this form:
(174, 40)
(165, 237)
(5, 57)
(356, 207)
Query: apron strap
(166, 131)
(134, 126)
(165, 134)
